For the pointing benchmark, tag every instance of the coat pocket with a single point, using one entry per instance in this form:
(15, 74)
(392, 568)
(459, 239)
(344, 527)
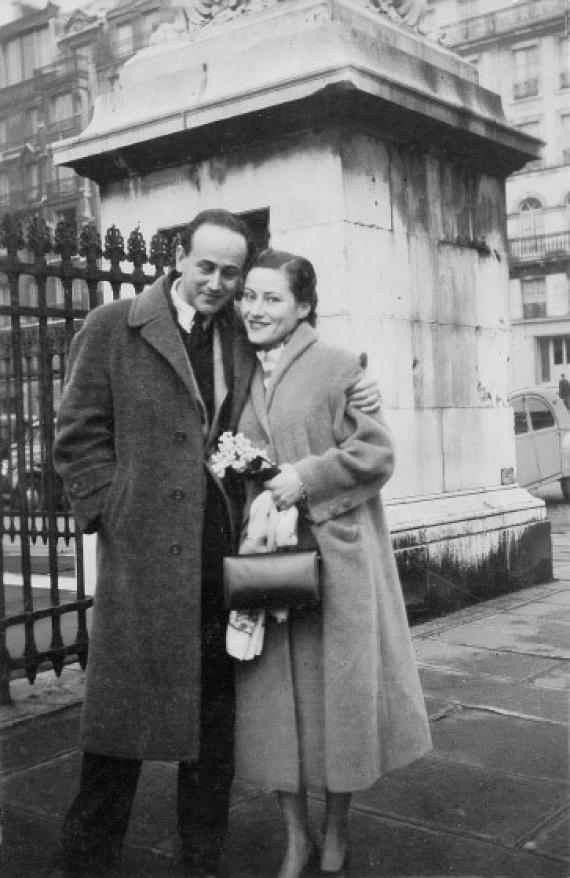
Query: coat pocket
(346, 531)
(113, 509)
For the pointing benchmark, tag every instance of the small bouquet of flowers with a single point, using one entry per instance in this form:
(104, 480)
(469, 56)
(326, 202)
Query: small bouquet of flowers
(238, 454)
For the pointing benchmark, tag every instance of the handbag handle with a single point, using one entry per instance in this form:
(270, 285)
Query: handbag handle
(264, 474)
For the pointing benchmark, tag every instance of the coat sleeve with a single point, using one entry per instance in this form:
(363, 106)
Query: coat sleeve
(356, 468)
(84, 449)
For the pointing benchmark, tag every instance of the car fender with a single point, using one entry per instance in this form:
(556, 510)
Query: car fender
(565, 453)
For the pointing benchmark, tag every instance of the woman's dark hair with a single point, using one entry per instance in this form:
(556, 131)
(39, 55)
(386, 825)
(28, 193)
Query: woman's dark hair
(300, 274)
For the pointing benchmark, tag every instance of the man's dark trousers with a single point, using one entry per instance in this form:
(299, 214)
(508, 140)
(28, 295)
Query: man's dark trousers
(96, 824)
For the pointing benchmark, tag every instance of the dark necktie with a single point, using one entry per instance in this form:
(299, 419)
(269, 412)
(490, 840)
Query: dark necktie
(197, 330)
(199, 347)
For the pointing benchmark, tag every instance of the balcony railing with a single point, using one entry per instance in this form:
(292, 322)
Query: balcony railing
(504, 20)
(63, 188)
(540, 247)
(124, 48)
(64, 67)
(61, 128)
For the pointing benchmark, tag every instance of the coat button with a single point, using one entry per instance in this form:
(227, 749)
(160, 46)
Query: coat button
(333, 509)
(175, 549)
(74, 487)
(178, 494)
(345, 503)
(180, 436)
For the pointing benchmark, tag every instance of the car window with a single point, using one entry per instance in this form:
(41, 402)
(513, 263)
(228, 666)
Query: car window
(541, 416)
(521, 423)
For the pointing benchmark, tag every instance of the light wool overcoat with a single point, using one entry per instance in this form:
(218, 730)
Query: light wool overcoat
(132, 437)
(334, 700)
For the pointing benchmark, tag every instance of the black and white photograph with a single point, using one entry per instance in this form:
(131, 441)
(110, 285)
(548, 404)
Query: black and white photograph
(285, 438)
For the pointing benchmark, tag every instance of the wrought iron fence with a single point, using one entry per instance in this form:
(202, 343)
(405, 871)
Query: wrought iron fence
(49, 280)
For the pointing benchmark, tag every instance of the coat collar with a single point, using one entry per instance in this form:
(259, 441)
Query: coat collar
(150, 313)
(302, 339)
(244, 363)
(152, 303)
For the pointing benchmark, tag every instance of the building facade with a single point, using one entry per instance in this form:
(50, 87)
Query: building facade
(54, 61)
(45, 96)
(523, 51)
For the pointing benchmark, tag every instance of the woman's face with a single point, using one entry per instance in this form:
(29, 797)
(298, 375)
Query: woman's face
(269, 308)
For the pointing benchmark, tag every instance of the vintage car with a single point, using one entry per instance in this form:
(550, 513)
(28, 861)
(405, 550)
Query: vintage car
(542, 437)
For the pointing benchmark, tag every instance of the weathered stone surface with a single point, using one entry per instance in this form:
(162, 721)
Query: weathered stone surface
(381, 847)
(494, 694)
(44, 737)
(234, 68)
(43, 721)
(437, 653)
(553, 838)
(516, 633)
(545, 611)
(510, 745)
(556, 678)
(492, 607)
(489, 801)
(559, 598)
(339, 124)
(446, 794)
(391, 849)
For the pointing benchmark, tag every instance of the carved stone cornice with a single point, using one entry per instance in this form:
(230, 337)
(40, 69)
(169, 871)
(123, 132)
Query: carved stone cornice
(193, 15)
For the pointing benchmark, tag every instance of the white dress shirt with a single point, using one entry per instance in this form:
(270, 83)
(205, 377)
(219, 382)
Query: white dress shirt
(184, 312)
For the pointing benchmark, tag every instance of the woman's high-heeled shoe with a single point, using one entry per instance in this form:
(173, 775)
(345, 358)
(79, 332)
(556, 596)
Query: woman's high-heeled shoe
(311, 867)
(341, 872)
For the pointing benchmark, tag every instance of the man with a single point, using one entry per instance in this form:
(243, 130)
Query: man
(564, 390)
(152, 381)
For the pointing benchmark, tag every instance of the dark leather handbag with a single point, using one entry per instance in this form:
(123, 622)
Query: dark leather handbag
(289, 577)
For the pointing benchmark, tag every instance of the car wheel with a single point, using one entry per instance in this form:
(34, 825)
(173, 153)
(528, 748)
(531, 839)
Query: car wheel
(565, 486)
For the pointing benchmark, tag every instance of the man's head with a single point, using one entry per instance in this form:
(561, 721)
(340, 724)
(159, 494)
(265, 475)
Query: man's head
(211, 259)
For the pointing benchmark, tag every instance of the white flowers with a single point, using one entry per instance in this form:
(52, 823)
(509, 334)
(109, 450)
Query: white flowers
(236, 452)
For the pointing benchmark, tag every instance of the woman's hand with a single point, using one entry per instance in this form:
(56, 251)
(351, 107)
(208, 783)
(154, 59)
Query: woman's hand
(286, 488)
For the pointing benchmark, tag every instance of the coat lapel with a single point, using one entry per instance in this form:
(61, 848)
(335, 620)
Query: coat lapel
(150, 313)
(244, 363)
(303, 337)
(259, 401)
(220, 386)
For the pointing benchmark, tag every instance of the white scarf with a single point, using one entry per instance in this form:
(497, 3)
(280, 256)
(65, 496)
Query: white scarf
(267, 528)
(269, 360)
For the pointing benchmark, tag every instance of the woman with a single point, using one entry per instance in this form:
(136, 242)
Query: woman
(333, 702)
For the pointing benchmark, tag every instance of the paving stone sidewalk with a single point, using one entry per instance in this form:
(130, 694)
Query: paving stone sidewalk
(491, 800)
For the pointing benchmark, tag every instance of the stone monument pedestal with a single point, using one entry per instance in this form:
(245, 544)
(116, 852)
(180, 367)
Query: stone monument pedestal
(376, 154)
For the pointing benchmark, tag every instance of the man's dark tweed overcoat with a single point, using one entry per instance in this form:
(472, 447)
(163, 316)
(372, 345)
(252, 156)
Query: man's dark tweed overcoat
(132, 435)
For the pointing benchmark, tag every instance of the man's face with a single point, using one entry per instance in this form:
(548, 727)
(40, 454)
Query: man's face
(211, 274)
